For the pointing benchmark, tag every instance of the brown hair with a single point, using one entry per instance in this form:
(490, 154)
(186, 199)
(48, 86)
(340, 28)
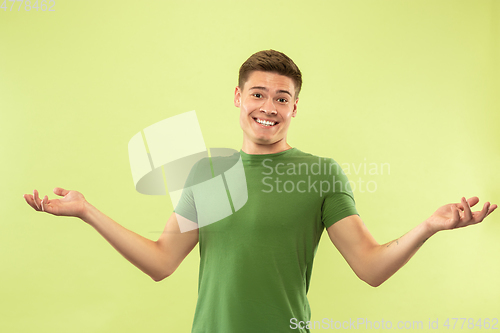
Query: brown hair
(271, 61)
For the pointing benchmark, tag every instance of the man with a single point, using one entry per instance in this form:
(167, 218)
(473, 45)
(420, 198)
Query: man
(256, 264)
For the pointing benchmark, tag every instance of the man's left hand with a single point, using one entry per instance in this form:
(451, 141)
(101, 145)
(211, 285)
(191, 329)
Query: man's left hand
(458, 215)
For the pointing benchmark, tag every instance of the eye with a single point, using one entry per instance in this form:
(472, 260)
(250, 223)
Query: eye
(257, 95)
(282, 100)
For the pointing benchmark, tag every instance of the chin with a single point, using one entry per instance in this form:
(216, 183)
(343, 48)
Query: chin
(267, 141)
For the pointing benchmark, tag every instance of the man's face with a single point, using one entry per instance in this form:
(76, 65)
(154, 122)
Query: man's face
(267, 105)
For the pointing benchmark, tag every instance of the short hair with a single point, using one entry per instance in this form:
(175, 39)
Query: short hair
(271, 61)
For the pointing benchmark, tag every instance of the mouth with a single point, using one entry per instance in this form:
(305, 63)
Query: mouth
(265, 123)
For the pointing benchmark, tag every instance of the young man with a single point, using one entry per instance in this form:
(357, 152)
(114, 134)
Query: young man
(256, 264)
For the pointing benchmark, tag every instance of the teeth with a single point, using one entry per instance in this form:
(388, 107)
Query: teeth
(265, 122)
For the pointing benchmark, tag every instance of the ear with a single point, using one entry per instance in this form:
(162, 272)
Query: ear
(237, 97)
(294, 112)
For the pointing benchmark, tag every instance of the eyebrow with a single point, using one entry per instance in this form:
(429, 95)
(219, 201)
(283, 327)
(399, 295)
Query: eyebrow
(278, 91)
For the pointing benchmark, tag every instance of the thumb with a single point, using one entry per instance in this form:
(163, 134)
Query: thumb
(60, 191)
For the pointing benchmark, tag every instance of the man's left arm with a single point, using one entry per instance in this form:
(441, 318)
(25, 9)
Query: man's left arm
(375, 263)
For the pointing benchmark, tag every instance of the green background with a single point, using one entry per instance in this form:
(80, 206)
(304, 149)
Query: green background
(410, 83)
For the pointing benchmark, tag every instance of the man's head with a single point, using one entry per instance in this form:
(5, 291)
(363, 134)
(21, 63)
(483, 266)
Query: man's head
(267, 93)
(271, 61)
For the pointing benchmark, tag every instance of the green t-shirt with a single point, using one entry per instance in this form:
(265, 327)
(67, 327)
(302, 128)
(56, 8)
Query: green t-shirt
(256, 263)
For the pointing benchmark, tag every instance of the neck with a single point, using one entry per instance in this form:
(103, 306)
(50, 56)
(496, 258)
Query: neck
(259, 149)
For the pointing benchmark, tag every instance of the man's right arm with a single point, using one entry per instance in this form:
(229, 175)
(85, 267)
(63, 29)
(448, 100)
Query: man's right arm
(157, 259)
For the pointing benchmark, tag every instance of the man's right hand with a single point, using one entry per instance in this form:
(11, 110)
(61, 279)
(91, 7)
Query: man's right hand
(72, 203)
(157, 259)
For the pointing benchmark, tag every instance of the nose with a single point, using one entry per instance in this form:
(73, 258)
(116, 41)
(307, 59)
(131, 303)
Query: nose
(268, 107)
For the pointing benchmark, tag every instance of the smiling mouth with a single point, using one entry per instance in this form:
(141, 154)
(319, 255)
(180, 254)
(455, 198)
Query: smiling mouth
(266, 123)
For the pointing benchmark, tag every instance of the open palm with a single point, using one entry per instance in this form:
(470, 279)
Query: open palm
(459, 215)
(72, 203)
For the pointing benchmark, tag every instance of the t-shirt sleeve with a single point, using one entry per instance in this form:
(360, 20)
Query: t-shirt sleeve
(186, 206)
(338, 203)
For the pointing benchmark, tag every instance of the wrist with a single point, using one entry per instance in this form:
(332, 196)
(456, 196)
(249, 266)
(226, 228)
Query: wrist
(430, 228)
(86, 212)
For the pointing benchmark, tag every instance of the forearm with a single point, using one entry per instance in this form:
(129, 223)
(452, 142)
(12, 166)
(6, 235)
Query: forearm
(382, 261)
(375, 263)
(144, 253)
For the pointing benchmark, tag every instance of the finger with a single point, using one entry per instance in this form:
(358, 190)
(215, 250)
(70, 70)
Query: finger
(491, 209)
(29, 199)
(36, 199)
(482, 214)
(44, 203)
(473, 201)
(60, 191)
(467, 211)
